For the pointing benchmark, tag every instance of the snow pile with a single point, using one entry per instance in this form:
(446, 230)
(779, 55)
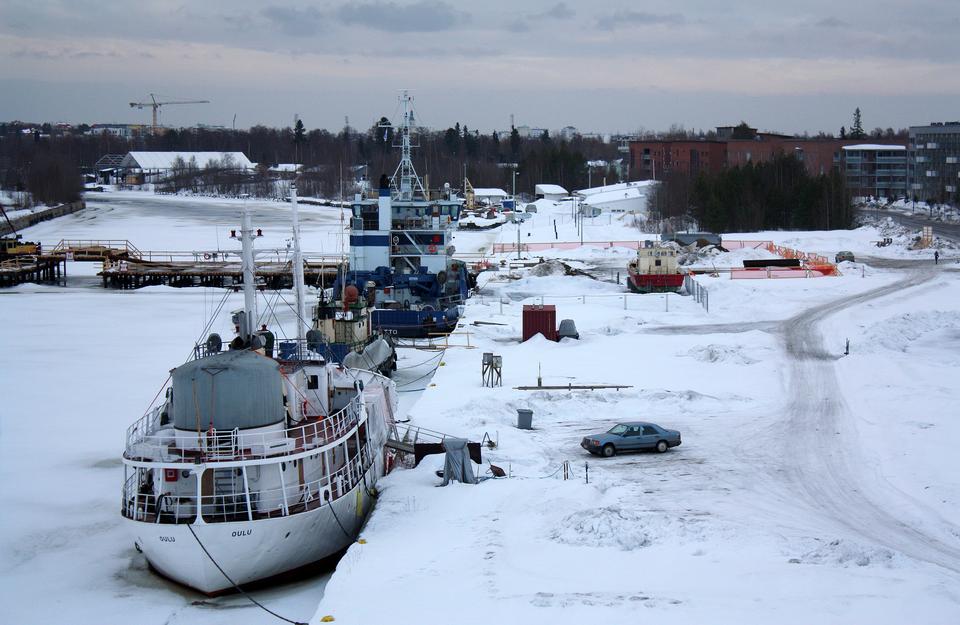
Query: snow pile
(728, 354)
(905, 332)
(846, 553)
(623, 527)
(549, 268)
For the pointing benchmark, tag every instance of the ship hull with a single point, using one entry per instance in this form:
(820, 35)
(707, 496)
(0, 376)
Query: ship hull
(655, 283)
(252, 551)
(415, 323)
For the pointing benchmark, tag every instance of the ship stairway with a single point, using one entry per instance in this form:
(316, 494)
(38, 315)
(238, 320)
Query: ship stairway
(404, 437)
(227, 500)
(418, 441)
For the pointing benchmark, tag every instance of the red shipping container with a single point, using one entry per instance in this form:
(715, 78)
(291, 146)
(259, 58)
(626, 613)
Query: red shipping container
(542, 319)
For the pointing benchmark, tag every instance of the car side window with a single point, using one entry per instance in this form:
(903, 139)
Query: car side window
(649, 430)
(634, 431)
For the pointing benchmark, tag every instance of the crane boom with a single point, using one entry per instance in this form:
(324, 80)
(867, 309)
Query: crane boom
(155, 105)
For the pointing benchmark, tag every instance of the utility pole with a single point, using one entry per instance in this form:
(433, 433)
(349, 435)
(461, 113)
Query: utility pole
(518, 235)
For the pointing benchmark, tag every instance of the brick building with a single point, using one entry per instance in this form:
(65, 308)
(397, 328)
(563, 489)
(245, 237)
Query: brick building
(877, 171)
(654, 159)
(651, 160)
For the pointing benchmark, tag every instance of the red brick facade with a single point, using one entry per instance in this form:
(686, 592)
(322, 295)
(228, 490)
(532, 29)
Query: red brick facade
(654, 159)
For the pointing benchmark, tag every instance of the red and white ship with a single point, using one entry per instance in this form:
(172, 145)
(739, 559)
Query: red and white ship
(654, 270)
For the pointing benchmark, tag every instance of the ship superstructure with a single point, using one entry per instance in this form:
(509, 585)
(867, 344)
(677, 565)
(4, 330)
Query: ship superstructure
(252, 465)
(401, 242)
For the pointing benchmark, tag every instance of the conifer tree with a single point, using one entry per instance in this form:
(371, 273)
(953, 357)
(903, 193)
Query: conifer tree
(856, 132)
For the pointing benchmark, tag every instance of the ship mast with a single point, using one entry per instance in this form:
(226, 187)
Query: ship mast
(405, 181)
(298, 268)
(249, 286)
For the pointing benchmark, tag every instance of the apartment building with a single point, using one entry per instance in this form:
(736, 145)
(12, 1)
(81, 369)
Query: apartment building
(934, 164)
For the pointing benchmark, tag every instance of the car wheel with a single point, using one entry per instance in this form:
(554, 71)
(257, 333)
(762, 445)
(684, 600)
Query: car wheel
(662, 446)
(608, 450)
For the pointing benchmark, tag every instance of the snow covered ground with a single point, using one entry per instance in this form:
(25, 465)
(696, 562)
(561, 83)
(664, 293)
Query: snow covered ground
(810, 486)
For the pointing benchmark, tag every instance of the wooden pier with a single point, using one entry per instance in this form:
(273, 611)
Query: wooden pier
(133, 274)
(19, 269)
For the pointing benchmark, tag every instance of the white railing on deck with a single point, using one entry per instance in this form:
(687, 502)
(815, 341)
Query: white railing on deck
(145, 441)
(231, 507)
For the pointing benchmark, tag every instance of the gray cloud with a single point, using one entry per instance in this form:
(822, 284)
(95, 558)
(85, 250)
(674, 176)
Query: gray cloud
(559, 11)
(295, 22)
(59, 54)
(424, 16)
(642, 18)
(832, 22)
(519, 26)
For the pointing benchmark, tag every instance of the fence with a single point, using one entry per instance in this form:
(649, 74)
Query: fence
(505, 248)
(699, 292)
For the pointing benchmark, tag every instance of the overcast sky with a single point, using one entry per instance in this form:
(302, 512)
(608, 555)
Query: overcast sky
(604, 65)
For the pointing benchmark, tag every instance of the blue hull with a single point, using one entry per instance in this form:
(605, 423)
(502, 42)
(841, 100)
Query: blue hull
(415, 323)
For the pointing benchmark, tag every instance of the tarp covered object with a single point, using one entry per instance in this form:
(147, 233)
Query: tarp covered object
(372, 356)
(457, 467)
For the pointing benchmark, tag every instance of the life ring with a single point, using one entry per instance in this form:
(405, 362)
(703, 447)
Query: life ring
(432, 249)
(206, 256)
(306, 405)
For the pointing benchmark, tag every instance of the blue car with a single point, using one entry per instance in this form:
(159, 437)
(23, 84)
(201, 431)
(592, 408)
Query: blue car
(633, 436)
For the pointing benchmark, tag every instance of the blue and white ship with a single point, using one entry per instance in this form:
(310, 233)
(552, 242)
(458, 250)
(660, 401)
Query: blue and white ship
(401, 246)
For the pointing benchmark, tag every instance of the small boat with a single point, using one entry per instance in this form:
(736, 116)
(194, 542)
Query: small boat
(251, 466)
(654, 270)
(343, 332)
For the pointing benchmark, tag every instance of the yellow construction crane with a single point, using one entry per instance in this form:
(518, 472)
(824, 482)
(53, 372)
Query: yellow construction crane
(155, 105)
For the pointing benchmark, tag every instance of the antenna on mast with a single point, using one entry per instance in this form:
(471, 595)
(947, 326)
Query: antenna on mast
(405, 181)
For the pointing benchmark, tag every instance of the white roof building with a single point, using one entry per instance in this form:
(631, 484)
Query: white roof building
(489, 193)
(874, 147)
(624, 197)
(161, 161)
(620, 186)
(550, 191)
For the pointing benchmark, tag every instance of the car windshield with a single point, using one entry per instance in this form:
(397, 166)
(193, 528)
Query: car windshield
(617, 429)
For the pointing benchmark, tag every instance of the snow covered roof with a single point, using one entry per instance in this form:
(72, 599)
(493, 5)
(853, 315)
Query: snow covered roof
(630, 193)
(550, 189)
(620, 186)
(285, 167)
(874, 146)
(165, 160)
(489, 192)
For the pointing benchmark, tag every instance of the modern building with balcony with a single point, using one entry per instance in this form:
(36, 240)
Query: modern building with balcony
(934, 165)
(877, 171)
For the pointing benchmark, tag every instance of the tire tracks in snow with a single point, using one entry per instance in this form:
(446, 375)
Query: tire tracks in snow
(810, 460)
(818, 450)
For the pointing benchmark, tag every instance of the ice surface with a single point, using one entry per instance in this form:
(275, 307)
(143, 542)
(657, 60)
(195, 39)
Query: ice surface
(810, 486)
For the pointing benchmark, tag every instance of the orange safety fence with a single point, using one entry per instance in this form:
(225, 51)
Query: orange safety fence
(739, 245)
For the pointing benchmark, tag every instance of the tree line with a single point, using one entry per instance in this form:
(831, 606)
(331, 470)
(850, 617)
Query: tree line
(49, 164)
(773, 195)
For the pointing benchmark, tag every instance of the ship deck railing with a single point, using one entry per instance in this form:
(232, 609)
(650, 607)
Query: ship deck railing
(150, 440)
(242, 504)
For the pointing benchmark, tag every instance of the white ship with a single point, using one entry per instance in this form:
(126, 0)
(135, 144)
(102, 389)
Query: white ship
(252, 466)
